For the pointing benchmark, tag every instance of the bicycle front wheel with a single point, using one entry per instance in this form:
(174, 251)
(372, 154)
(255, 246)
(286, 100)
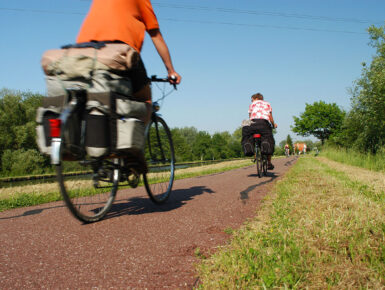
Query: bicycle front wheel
(88, 187)
(159, 154)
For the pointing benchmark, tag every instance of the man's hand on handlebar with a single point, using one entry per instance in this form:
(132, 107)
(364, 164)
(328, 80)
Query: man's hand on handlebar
(174, 78)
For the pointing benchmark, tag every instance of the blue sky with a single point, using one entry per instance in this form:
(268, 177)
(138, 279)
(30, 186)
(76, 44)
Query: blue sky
(293, 52)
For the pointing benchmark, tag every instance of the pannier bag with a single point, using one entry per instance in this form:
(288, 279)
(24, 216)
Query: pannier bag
(248, 146)
(49, 111)
(97, 138)
(266, 148)
(113, 124)
(247, 141)
(113, 121)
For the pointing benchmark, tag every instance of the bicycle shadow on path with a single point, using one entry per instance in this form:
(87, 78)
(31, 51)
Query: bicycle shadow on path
(134, 205)
(143, 205)
(244, 195)
(30, 212)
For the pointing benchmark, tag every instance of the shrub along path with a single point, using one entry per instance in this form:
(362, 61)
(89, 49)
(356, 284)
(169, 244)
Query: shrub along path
(139, 244)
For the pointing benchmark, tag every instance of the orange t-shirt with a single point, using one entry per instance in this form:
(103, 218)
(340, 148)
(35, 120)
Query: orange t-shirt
(122, 20)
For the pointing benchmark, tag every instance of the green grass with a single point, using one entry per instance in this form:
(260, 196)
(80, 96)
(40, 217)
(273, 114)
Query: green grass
(318, 229)
(351, 157)
(27, 199)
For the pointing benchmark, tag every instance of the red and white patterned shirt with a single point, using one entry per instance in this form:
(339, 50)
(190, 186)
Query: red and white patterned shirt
(260, 109)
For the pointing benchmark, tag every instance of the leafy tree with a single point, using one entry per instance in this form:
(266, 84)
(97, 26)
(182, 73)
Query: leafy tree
(365, 124)
(183, 150)
(279, 151)
(202, 146)
(289, 141)
(282, 144)
(320, 120)
(17, 120)
(189, 133)
(23, 162)
(237, 134)
(220, 145)
(235, 143)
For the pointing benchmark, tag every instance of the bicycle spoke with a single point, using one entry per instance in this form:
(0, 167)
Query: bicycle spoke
(88, 187)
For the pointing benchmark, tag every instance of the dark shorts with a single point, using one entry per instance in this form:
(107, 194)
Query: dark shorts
(263, 127)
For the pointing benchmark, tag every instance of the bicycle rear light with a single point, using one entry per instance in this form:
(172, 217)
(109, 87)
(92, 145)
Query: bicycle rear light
(257, 135)
(55, 125)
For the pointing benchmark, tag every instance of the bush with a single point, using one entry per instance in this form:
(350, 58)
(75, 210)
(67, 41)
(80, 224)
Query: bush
(279, 151)
(23, 162)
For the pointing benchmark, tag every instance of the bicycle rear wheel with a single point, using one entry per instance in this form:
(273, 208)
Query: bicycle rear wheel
(88, 187)
(264, 164)
(258, 161)
(159, 154)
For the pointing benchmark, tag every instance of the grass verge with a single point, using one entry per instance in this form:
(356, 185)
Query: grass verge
(318, 229)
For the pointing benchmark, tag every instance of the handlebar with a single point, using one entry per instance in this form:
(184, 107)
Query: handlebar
(154, 78)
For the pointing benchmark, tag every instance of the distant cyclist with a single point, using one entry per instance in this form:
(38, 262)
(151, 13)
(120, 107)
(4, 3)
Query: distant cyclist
(261, 116)
(124, 22)
(287, 150)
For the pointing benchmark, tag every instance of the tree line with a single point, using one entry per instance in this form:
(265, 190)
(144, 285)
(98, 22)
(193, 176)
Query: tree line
(19, 154)
(362, 128)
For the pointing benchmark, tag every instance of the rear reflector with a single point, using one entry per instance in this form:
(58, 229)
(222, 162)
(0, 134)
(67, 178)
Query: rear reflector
(54, 125)
(257, 135)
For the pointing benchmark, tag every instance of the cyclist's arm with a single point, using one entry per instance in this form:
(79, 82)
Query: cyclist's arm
(164, 53)
(272, 120)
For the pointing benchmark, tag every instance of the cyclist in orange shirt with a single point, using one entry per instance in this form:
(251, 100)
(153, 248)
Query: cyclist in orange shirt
(125, 22)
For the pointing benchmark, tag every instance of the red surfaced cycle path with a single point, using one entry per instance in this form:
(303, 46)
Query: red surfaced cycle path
(139, 244)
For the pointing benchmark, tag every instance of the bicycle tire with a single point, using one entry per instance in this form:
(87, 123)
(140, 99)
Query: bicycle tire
(258, 160)
(160, 158)
(264, 164)
(88, 186)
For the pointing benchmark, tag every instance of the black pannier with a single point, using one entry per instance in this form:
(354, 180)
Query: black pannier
(247, 139)
(266, 148)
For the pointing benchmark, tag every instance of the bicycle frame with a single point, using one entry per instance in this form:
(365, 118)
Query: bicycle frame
(102, 176)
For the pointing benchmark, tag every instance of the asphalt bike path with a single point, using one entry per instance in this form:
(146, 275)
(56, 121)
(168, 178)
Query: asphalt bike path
(139, 244)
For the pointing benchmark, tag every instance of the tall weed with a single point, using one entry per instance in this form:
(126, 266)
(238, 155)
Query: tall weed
(350, 156)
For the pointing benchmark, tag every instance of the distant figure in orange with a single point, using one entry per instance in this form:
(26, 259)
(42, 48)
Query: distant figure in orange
(299, 148)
